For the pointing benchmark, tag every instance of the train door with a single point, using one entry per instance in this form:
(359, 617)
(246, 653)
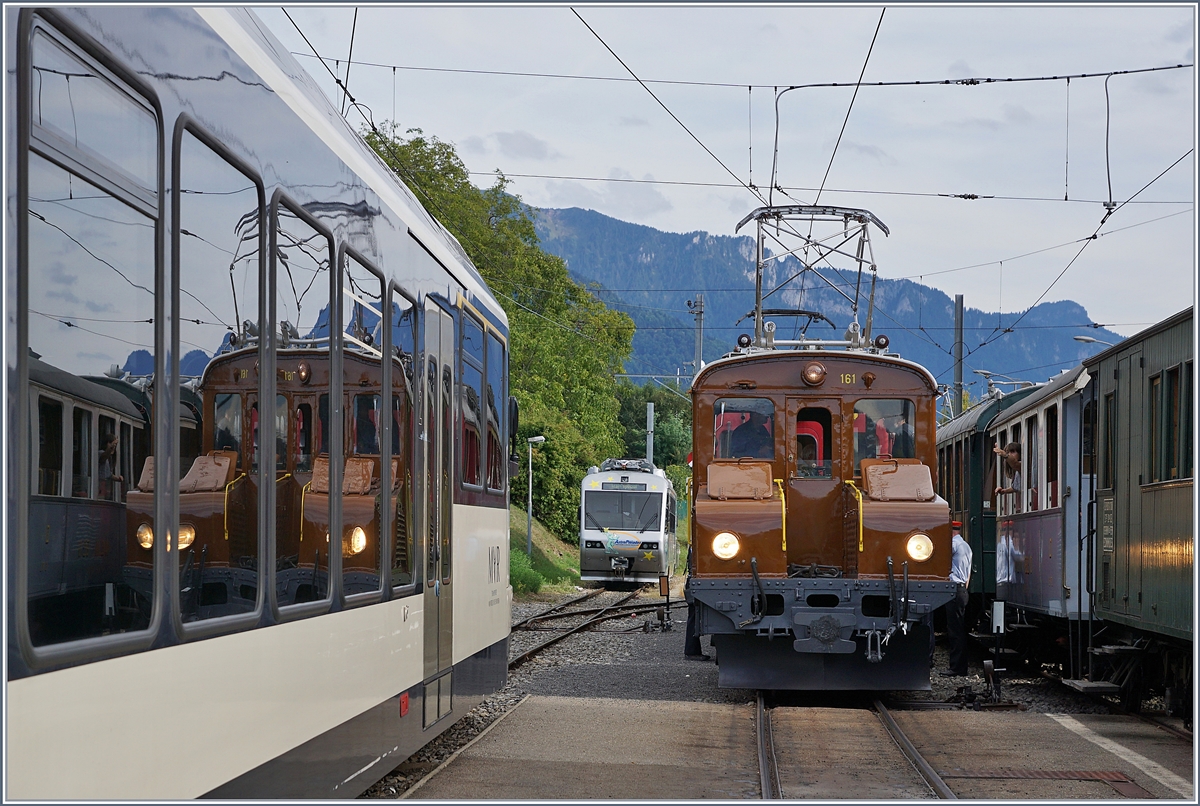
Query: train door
(436, 451)
(1127, 556)
(814, 482)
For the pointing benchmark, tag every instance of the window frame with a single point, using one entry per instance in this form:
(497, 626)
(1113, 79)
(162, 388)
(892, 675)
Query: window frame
(204, 628)
(467, 314)
(407, 446)
(65, 33)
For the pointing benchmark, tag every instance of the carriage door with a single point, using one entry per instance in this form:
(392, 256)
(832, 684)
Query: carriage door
(814, 482)
(436, 451)
(1128, 470)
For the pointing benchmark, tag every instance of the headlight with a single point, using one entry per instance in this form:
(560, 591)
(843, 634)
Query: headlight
(355, 542)
(725, 545)
(187, 535)
(145, 536)
(920, 547)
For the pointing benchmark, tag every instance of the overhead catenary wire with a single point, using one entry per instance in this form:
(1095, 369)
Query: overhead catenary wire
(667, 109)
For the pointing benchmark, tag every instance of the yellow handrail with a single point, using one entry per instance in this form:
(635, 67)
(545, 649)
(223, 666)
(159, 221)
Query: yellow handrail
(229, 487)
(303, 492)
(858, 494)
(783, 501)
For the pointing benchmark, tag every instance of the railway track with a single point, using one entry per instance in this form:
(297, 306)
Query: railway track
(594, 617)
(772, 785)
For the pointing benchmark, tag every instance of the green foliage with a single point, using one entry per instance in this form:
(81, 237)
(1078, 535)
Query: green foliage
(564, 345)
(521, 575)
(555, 563)
(672, 422)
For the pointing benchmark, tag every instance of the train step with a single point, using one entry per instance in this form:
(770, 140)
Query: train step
(1093, 686)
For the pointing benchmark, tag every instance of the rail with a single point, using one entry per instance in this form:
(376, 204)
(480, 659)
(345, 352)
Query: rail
(909, 749)
(529, 653)
(768, 769)
(557, 608)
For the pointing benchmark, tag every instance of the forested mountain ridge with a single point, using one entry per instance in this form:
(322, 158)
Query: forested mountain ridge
(651, 275)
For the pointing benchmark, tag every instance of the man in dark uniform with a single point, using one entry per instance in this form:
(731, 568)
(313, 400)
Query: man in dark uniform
(753, 438)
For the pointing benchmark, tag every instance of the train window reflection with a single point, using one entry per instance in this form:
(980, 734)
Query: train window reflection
(883, 427)
(446, 500)
(744, 427)
(471, 413)
(362, 303)
(632, 511)
(88, 112)
(304, 438)
(365, 425)
(50, 444)
(227, 415)
(495, 426)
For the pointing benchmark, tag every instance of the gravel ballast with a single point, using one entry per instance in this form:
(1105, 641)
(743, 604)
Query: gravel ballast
(619, 659)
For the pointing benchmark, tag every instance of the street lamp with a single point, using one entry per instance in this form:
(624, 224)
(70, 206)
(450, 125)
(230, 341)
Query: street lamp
(1090, 340)
(529, 513)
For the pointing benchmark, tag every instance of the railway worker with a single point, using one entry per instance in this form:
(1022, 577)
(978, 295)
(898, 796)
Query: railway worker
(956, 608)
(1012, 467)
(754, 438)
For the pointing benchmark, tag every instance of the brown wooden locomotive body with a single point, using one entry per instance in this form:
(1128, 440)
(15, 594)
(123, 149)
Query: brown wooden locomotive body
(814, 518)
(219, 492)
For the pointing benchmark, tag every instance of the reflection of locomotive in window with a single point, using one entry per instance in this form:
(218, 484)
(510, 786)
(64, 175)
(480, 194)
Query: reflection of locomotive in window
(819, 546)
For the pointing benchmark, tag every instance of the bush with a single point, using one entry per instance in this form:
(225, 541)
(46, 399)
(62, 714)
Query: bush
(521, 575)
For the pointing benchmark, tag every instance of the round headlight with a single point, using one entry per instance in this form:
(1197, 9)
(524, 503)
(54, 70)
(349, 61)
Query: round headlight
(187, 535)
(356, 542)
(145, 536)
(920, 547)
(725, 545)
(814, 374)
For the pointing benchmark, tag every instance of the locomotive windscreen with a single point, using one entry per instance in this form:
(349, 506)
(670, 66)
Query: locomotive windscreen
(609, 509)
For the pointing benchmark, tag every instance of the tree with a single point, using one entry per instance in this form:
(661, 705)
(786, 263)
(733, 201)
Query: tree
(565, 346)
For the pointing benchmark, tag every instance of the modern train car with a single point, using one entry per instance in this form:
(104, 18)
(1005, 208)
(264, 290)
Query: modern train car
(627, 523)
(257, 525)
(966, 479)
(1094, 538)
(820, 547)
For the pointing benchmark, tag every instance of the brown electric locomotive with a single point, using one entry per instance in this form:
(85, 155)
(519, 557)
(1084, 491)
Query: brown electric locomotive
(820, 547)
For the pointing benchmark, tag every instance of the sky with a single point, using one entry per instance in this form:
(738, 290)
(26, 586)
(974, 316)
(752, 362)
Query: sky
(1047, 152)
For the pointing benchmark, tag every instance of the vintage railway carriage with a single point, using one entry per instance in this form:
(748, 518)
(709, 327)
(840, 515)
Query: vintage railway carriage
(1142, 454)
(966, 478)
(289, 570)
(819, 545)
(1041, 567)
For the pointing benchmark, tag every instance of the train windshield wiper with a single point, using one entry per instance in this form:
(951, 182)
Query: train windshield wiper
(588, 516)
(644, 526)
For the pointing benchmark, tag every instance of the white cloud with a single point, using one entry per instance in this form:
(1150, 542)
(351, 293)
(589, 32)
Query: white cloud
(523, 145)
(474, 145)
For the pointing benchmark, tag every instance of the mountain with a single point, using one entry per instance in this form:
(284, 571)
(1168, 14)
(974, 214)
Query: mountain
(651, 275)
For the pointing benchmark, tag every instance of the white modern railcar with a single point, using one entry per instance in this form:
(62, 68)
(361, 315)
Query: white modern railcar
(626, 523)
(184, 202)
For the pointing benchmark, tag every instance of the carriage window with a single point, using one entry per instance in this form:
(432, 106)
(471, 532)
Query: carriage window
(814, 459)
(50, 460)
(81, 454)
(447, 442)
(302, 278)
(218, 229)
(403, 334)
(495, 427)
(1089, 438)
(304, 438)
(1052, 456)
(227, 417)
(322, 440)
(403, 556)
(75, 104)
(89, 277)
(1030, 495)
(109, 461)
(1109, 450)
(1154, 432)
(471, 380)
(125, 449)
(365, 434)
(1186, 423)
(1171, 468)
(744, 426)
(362, 306)
(884, 427)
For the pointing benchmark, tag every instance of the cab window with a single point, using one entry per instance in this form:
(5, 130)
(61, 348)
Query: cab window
(744, 427)
(883, 428)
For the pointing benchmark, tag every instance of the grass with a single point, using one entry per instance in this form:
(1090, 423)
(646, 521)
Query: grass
(554, 567)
